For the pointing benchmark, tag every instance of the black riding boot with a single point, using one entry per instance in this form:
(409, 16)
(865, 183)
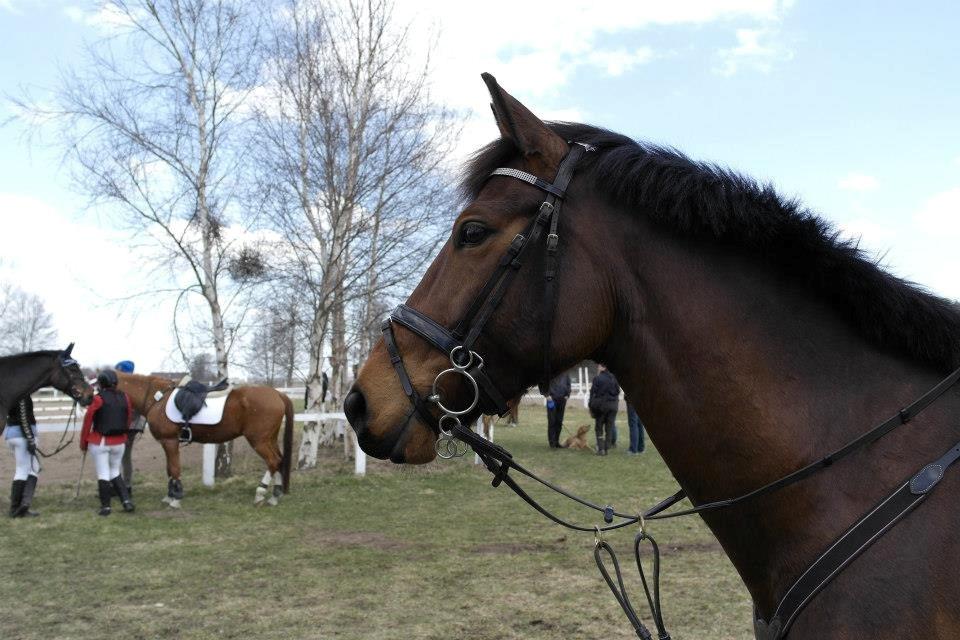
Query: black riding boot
(104, 489)
(29, 488)
(121, 490)
(16, 495)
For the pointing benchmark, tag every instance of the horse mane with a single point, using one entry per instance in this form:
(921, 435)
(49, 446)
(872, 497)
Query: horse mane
(712, 203)
(49, 353)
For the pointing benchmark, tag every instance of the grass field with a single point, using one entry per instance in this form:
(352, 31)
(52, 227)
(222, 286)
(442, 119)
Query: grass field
(405, 552)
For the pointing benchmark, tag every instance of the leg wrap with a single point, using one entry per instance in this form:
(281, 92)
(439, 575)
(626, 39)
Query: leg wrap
(175, 489)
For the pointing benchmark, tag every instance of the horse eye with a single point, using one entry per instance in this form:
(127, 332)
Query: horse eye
(472, 233)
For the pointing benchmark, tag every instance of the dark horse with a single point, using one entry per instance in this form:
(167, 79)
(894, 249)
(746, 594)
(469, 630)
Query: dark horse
(253, 412)
(751, 339)
(24, 373)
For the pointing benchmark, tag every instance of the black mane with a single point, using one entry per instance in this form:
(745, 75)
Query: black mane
(709, 202)
(30, 355)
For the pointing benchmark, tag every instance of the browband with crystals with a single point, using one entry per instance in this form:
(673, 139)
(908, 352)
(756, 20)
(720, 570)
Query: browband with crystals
(530, 178)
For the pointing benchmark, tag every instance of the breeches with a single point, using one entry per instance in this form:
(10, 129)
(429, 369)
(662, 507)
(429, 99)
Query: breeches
(107, 460)
(26, 464)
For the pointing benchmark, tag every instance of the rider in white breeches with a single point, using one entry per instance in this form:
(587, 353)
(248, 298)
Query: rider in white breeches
(104, 435)
(20, 435)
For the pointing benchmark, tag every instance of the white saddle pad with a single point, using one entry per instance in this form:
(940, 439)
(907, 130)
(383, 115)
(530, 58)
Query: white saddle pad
(211, 413)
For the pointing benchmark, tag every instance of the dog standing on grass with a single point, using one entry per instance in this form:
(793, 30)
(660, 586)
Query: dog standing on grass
(578, 441)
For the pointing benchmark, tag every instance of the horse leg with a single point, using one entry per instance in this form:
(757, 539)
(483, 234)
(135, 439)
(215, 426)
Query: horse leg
(171, 447)
(270, 453)
(262, 489)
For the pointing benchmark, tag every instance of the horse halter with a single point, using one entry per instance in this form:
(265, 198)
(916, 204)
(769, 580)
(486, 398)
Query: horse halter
(458, 343)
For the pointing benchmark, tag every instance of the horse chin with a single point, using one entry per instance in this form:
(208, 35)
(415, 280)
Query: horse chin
(418, 446)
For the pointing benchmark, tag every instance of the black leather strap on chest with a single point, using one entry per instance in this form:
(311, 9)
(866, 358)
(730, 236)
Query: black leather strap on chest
(845, 549)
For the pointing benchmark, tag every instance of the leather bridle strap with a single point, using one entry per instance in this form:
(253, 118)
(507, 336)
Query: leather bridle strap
(460, 341)
(492, 401)
(419, 406)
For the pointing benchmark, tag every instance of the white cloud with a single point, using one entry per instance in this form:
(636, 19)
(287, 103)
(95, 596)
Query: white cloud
(106, 17)
(77, 267)
(858, 182)
(940, 214)
(535, 48)
(616, 63)
(872, 234)
(757, 49)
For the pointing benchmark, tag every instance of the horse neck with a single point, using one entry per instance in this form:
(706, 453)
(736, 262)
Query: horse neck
(24, 374)
(141, 389)
(742, 378)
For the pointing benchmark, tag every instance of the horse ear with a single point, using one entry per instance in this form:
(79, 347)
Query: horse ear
(68, 350)
(517, 123)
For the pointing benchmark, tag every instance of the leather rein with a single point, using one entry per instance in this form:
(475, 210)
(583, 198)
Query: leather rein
(454, 438)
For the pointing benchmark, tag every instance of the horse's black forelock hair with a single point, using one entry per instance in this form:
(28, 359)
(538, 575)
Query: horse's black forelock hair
(711, 203)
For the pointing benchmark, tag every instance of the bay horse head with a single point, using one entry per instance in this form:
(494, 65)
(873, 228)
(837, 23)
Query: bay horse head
(472, 334)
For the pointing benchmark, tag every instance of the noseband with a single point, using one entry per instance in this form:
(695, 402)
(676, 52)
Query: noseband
(459, 342)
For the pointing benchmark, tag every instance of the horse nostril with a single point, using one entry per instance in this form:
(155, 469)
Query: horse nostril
(355, 408)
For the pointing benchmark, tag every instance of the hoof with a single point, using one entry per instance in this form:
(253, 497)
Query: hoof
(174, 503)
(166, 499)
(273, 501)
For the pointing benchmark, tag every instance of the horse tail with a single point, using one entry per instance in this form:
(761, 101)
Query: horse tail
(287, 442)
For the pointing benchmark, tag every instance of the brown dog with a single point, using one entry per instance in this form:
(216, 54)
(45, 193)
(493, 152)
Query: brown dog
(578, 441)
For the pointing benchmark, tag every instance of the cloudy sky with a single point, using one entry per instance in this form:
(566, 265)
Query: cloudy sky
(853, 107)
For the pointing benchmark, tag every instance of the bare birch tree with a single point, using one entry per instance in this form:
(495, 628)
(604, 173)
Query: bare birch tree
(150, 118)
(353, 146)
(25, 323)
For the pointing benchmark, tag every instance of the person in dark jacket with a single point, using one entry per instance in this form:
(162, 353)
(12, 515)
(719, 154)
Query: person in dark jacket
(104, 433)
(604, 402)
(21, 437)
(557, 396)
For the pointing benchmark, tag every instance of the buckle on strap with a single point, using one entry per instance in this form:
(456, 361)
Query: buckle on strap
(546, 210)
(552, 240)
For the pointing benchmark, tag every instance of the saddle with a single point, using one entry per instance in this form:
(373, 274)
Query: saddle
(191, 397)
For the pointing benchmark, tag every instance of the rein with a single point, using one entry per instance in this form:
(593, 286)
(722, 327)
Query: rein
(61, 445)
(455, 438)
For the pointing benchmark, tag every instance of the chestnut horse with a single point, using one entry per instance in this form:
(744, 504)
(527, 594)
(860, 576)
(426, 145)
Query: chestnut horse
(750, 338)
(254, 412)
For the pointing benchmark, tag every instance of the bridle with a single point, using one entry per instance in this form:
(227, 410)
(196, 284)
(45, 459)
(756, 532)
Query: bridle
(459, 342)
(454, 437)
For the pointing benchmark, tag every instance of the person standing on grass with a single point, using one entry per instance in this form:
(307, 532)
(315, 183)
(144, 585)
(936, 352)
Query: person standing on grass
(557, 396)
(636, 431)
(604, 403)
(104, 433)
(21, 437)
(136, 430)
